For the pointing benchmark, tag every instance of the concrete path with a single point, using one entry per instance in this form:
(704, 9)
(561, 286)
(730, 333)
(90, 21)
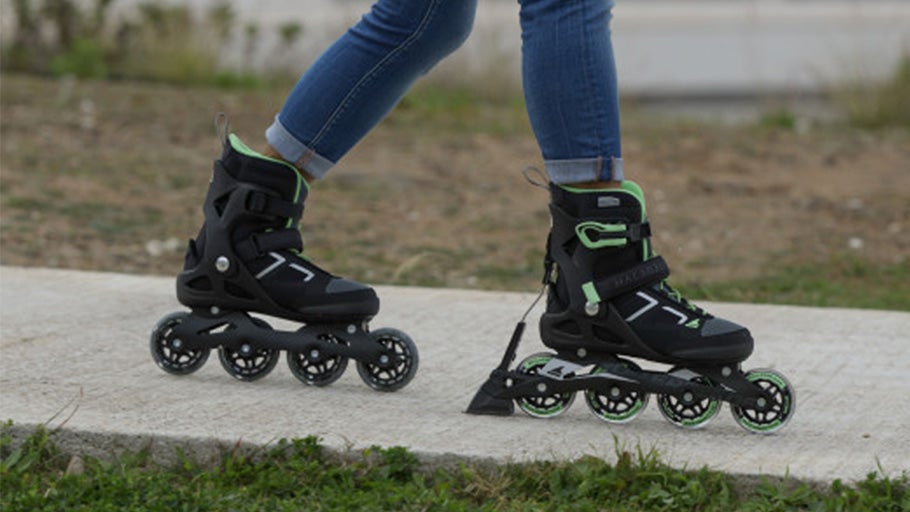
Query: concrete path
(74, 354)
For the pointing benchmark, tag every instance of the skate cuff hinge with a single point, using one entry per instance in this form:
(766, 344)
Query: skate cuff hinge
(645, 273)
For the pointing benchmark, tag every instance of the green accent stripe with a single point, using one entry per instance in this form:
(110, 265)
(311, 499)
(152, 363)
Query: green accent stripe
(591, 293)
(581, 230)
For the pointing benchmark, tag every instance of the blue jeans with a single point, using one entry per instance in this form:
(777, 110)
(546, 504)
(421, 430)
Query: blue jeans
(568, 73)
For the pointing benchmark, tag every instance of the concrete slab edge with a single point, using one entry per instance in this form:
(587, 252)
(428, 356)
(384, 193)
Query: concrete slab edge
(209, 451)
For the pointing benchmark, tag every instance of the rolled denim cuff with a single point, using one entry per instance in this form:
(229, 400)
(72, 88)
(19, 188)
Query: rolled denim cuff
(583, 170)
(296, 152)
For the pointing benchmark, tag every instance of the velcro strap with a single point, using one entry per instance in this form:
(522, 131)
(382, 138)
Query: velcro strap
(639, 276)
(261, 243)
(261, 203)
(597, 235)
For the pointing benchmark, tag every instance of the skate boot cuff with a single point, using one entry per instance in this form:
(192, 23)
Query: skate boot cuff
(597, 234)
(248, 166)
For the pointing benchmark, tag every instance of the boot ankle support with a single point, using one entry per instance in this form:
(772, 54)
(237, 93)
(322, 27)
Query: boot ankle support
(595, 235)
(598, 235)
(645, 273)
(252, 201)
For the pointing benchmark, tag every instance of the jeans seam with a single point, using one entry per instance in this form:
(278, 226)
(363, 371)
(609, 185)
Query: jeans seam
(372, 73)
(594, 92)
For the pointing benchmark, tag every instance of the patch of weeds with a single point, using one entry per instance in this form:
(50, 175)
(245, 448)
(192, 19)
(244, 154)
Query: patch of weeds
(84, 59)
(461, 110)
(843, 281)
(879, 105)
(164, 43)
(298, 474)
(780, 119)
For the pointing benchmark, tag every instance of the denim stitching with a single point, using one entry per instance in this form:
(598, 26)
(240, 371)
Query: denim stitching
(377, 69)
(595, 94)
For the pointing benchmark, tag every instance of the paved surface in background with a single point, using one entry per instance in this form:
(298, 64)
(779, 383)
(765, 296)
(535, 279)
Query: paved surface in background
(74, 354)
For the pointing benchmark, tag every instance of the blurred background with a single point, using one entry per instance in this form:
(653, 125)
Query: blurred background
(772, 136)
(665, 48)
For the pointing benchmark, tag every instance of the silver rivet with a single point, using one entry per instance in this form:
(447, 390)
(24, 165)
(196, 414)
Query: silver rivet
(726, 371)
(542, 387)
(314, 354)
(352, 329)
(592, 308)
(177, 343)
(762, 402)
(215, 310)
(222, 264)
(687, 397)
(615, 392)
(383, 359)
(246, 349)
(582, 353)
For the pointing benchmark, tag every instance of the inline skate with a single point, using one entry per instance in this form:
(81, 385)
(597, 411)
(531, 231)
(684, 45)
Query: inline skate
(248, 258)
(608, 301)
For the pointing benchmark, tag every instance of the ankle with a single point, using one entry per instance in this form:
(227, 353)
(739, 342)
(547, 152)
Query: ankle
(595, 185)
(273, 153)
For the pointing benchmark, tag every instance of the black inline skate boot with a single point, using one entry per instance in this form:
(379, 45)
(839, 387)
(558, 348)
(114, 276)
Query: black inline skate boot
(248, 258)
(608, 297)
(602, 269)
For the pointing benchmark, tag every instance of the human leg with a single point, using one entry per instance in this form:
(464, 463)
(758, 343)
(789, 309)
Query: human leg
(247, 256)
(607, 291)
(570, 86)
(344, 94)
(599, 223)
(361, 77)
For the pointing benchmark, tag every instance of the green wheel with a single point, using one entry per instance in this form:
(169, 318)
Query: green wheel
(542, 406)
(775, 415)
(685, 409)
(622, 403)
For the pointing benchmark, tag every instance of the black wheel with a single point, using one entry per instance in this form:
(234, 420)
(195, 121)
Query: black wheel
(399, 364)
(685, 409)
(777, 413)
(315, 367)
(622, 403)
(246, 362)
(170, 353)
(542, 406)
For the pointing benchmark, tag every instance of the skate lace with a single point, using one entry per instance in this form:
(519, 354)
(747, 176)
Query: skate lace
(677, 297)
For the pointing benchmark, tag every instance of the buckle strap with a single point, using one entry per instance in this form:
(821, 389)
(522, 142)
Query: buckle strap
(597, 235)
(259, 244)
(261, 203)
(641, 275)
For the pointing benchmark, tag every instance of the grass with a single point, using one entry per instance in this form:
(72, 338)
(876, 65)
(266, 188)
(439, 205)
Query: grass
(844, 281)
(879, 105)
(300, 474)
(72, 197)
(434, 195)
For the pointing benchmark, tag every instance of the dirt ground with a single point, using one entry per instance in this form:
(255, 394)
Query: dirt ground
(111, 176)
